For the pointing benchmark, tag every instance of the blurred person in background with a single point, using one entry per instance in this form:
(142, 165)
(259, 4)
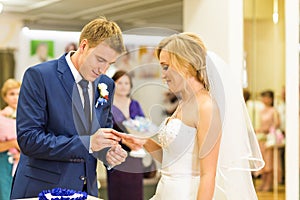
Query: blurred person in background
(126, 180)
(281, 106)
(9, 149)
(70, 47)
(269, 123)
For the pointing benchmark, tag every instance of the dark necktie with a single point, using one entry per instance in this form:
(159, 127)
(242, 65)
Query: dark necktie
(86, 106)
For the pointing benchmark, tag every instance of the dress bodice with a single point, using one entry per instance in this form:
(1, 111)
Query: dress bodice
(180, 148)
(180, 162)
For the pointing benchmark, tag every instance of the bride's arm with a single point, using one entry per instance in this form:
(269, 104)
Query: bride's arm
(208, 167)
(154, 149)
(208, 135)
(134, 143)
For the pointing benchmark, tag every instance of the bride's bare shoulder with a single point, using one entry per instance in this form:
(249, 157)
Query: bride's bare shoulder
(204, 99)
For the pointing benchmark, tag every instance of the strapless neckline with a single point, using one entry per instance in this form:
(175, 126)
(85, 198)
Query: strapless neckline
(169, 119)
(171, 128)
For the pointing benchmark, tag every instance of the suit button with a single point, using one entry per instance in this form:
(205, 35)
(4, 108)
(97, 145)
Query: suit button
(83, 178)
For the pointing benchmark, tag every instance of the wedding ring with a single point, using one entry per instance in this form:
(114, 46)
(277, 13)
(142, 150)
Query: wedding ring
(109, 167)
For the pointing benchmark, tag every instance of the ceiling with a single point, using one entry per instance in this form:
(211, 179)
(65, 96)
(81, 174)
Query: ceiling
(71, 15)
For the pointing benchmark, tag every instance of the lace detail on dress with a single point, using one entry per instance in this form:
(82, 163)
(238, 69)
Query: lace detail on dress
(168, 132)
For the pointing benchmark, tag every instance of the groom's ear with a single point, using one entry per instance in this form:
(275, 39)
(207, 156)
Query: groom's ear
(84, 45)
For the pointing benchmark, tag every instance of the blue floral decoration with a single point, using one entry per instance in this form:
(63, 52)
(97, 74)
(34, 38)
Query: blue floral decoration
(100, 101)
(62, 192)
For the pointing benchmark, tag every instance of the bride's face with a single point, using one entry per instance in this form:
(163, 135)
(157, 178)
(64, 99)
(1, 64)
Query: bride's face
(174, 79)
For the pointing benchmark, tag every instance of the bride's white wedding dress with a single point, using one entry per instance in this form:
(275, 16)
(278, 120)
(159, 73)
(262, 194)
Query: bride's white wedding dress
(180, 165)
(239, 153)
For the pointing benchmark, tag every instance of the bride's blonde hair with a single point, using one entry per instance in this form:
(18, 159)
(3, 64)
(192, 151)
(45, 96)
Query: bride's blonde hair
(187, 54)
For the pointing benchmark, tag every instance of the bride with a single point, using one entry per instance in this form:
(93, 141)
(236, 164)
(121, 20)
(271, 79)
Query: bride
(207, 148)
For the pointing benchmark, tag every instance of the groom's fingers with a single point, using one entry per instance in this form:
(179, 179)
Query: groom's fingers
(102, 139)
(135, 143)
(116, 155)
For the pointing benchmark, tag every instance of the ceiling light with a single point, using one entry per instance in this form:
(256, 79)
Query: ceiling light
(275, 18)
(25, 29)
(275, 12)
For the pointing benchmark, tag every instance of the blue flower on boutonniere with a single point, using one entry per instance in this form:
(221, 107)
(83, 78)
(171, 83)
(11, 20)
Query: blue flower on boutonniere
(103, 98)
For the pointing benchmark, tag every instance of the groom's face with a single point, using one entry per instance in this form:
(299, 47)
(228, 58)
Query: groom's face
(96, 60)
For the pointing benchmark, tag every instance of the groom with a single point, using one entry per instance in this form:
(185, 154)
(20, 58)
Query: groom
(61, 136)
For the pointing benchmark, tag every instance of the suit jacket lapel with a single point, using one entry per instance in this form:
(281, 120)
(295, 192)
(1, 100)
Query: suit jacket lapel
(95, 122)
(65, 75)
(68, 82)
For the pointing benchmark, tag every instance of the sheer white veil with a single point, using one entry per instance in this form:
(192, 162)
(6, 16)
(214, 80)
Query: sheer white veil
(239, 152)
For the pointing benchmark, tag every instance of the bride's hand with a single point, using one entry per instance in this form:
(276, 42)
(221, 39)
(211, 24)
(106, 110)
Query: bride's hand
(132, 142)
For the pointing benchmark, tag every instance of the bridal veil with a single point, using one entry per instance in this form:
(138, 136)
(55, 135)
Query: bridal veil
(239, 152)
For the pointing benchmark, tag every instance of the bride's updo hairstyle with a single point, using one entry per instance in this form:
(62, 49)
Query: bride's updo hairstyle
(187, 54)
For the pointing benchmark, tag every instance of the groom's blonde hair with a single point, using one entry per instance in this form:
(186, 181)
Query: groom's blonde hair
(102, 30)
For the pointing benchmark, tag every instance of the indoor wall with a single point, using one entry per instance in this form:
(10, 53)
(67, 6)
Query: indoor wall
(264, 46)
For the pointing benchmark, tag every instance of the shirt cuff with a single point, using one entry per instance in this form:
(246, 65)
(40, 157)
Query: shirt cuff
(90, 147)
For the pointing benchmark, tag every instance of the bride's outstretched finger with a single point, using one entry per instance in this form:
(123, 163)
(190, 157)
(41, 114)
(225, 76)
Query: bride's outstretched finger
(134, 143)
(131, 140)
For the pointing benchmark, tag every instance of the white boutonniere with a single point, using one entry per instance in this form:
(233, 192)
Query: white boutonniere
(103, 98)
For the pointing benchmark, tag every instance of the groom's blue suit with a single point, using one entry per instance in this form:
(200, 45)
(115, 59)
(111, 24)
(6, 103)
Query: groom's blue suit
(52, 134)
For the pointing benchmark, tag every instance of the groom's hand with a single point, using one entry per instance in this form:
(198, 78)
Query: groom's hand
(116, 155)
(104, 137)
(132, 142)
